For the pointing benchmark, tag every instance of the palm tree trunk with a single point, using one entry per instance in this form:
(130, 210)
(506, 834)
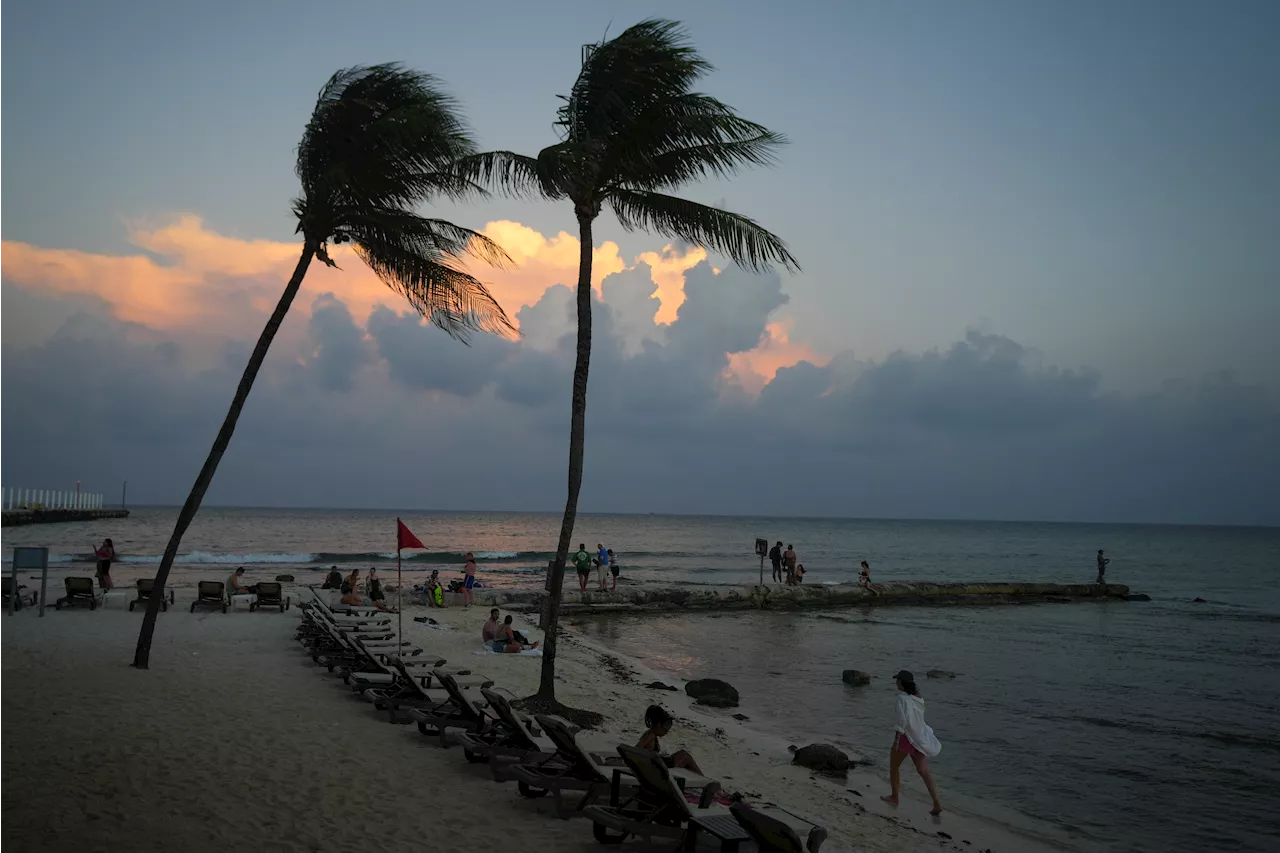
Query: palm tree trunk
(577, 441)
(189, 509)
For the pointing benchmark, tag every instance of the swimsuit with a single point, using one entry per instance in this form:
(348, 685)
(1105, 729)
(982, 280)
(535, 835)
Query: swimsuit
(471, 581)
(904, 744)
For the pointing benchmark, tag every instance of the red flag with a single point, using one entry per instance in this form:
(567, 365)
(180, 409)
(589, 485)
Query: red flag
(405, 539)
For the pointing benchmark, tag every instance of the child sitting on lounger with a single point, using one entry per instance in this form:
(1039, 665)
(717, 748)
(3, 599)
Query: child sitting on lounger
(659, 723)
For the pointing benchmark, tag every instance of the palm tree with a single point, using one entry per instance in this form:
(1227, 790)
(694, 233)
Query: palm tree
(632, 129)
(381, 140)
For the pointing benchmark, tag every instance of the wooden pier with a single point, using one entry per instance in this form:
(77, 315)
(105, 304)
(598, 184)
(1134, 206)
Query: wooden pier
(23, 517)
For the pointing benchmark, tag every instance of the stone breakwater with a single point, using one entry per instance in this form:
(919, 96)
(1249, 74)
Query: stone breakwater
(664, 599)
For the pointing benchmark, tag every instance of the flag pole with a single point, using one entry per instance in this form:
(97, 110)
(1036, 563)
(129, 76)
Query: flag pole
(399, 583)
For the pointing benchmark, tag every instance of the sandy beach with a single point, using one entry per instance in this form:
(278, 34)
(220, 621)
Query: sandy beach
(234, 737)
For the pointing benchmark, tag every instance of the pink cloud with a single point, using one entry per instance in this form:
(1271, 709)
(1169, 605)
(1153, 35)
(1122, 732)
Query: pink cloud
(212, 285)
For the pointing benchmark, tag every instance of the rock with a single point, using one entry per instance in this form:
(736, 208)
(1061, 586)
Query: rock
(939, 673)
(712, 692)
(856, 677)
(1137, 596)
(658, 685)
(822, 757)
(1198, 601)
(284, 578)
(742, 717)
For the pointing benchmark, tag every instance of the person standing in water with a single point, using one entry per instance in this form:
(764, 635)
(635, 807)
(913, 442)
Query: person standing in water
(470, 569)
(614, 569)
(911, 737)
(582, 563)
(1102, 566)
(789, 563)
(602, 566)
(105, 555)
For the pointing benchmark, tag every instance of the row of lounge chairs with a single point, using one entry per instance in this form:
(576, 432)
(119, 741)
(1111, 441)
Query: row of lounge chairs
(81, 592)
(622, 790)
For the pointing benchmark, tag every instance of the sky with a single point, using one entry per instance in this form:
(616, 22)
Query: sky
(1039, 270)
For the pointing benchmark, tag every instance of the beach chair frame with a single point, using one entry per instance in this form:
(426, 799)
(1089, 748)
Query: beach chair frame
(80, 591)
(273, 596)
(145, 586)
(210, 594)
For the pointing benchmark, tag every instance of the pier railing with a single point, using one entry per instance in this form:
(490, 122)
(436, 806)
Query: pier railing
(13, 498)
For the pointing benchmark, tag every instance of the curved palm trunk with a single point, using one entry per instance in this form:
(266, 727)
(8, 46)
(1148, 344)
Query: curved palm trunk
(189, 509)
(577, 441)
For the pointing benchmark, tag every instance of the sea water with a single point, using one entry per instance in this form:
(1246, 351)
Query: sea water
(1131, 726)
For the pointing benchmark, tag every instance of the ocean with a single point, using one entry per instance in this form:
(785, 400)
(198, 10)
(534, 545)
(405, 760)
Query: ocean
(1127, 726)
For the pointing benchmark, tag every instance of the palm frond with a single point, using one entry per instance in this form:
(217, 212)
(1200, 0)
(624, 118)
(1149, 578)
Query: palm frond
(451, 299)
(624, 75)
(381, 135)
(738, 237)
(435, 237)
(511, 173)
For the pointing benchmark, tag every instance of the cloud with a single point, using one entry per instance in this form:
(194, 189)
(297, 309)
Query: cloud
(375, 408)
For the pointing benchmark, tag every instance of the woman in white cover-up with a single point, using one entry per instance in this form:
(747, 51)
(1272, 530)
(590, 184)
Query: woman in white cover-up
(911, 737)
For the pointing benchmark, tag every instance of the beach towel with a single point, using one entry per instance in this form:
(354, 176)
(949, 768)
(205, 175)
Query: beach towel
(534, 653)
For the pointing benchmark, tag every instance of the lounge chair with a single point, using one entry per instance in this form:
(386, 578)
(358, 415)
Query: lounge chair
(24, 598)
(270, 595)
(460, 713)
(145, 585)
(80, 592)
(660, 810)
(510, 737)
(572, 769)
(772, 835)
(210, 594)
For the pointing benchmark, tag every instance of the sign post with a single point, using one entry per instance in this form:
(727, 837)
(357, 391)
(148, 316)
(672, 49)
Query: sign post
(762, 550)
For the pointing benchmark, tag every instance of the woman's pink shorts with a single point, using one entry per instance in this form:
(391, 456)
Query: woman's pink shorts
(905, 745)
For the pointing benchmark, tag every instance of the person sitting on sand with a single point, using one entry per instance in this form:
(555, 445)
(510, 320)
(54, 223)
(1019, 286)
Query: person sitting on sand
(351, 588)
(659, 726)
(333, 580)
(508, 640)
(489, 632)
(376, 595)
(911, 737)
(235, 587)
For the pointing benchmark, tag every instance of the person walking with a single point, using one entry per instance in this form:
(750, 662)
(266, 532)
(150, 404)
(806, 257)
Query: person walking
(602, 566)
(470, 582)
(775, 559)
(1102, 567)
(911, 737)
(582, 563)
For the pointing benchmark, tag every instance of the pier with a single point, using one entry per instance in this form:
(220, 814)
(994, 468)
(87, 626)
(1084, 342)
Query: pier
(23, 506)
(22, 517)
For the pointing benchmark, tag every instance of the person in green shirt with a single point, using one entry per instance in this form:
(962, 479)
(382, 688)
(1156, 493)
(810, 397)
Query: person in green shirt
(582, 562)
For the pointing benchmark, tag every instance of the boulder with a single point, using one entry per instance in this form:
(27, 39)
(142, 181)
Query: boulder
(712, 692)
(658, 685)
(742, 717)
(823, 758)
(284, 578)
(939, 673)
(856, 677)
(1137, 596)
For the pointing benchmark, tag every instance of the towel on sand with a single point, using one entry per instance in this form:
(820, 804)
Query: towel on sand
(536, 653)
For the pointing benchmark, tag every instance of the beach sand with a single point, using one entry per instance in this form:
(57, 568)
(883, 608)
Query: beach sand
(234, 738)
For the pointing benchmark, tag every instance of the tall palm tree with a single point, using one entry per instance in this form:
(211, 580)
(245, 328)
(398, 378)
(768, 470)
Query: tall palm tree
(632, 129)
(381, 140)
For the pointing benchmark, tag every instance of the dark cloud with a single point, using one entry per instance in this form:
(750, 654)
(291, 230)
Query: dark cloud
(396, 414)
